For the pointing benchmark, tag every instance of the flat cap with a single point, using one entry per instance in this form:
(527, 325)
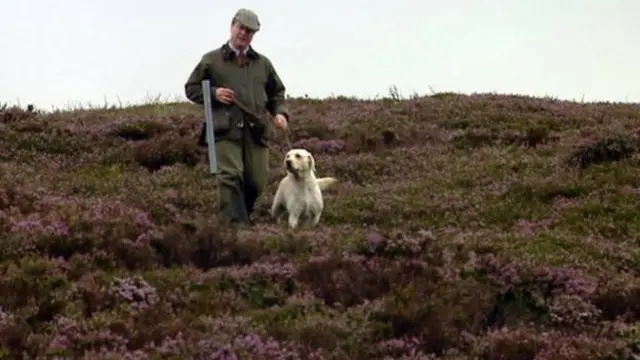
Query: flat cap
(247, 18)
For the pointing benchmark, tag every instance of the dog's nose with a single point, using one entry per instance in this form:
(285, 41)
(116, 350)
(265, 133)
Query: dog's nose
(288, 162)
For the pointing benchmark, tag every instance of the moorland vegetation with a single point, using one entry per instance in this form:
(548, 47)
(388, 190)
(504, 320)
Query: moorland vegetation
(482, 226)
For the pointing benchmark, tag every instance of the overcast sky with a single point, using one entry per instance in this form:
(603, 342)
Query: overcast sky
(68, 53)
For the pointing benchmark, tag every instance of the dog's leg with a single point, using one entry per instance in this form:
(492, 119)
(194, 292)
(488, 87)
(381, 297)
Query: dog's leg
(276, 213)
(294, 219)
(276, 210)
(316, 218)
(276, 205)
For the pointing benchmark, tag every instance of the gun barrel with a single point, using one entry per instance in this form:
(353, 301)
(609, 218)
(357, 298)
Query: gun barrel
(210, 135)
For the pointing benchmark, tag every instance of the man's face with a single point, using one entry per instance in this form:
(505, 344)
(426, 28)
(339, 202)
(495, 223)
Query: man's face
(241, 36)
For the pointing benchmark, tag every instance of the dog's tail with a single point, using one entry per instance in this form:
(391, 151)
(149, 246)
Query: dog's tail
(325, 182)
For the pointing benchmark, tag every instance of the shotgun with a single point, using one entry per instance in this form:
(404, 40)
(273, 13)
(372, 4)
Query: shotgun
(208, 120)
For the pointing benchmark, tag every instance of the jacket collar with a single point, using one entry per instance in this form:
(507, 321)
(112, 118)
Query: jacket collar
(228, 53)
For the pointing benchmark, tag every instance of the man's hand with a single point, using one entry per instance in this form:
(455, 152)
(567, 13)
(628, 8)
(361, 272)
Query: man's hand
(224, 95)
(280, 122)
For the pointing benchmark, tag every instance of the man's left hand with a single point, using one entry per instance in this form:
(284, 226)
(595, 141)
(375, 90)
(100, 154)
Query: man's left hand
(280, 121)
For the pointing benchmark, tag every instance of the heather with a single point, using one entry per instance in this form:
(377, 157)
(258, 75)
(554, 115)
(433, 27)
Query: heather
(463, 227)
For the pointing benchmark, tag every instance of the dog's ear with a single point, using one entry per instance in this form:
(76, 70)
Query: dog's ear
(312, 163)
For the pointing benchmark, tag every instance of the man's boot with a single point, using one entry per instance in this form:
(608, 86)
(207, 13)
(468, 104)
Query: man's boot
(250, 198)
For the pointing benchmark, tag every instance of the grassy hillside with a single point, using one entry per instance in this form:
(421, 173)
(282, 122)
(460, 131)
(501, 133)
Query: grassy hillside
(463, 227)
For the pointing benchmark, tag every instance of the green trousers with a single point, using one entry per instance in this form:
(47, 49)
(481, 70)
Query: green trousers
(243, 170)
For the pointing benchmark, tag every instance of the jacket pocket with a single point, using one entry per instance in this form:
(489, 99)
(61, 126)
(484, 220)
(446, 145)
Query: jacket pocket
(221, 120)
(221, 125)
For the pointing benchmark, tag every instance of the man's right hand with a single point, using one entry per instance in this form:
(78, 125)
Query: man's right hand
(224, 95)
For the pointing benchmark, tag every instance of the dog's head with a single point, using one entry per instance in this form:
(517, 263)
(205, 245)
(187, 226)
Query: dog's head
(299, 162)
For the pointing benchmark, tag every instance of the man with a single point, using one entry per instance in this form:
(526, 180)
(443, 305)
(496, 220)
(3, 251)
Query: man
(244, 85)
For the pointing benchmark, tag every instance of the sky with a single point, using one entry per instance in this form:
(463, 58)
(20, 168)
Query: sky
(75, 53)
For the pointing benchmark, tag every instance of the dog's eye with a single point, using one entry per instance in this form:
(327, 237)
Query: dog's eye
(297, 156)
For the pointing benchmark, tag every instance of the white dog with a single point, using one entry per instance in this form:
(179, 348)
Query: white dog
(300, 192)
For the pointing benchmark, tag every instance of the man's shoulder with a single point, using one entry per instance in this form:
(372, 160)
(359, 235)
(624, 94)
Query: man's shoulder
(212, 54)
(259, 55)
(217, 53)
